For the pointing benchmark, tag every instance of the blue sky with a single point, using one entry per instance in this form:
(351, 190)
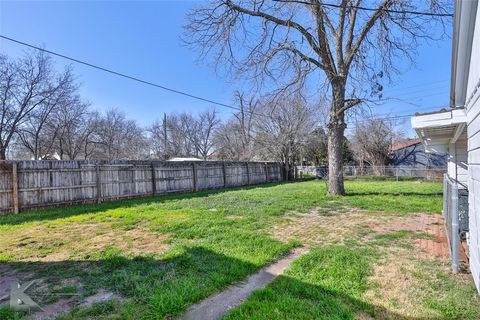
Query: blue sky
(142, 39)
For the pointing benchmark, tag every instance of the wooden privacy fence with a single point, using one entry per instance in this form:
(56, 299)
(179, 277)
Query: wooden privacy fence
(30, 185)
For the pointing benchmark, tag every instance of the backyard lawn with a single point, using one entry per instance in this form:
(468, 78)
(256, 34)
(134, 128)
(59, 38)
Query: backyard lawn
(152, 258)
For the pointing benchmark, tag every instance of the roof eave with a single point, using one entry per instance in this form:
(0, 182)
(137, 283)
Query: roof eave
(440, 119)
(440, 128)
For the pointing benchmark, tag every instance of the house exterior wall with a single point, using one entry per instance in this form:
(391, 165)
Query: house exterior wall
(458, 160)
(473, 133)
(415, 156)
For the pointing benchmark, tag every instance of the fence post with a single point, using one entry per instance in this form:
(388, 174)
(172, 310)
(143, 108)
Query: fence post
(15, 187)
(134, 180)
(154, 179)
(248, 174)
(266, 172)
(98, 182)
(224, 172)
(194, 172)
(455, 243)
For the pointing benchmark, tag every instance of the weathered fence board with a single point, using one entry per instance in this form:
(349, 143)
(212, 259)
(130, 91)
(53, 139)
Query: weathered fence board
(30, 185)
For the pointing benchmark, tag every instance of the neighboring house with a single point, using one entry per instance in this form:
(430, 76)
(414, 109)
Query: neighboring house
(457, 130)
(411, 153)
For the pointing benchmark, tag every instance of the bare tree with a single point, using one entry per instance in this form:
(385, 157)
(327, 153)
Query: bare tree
(72, 129)
(173, 137)
(184, 135)
(283, 133)
(315, 149)
(118, 138)
(158, 139)
(371, 142)
(183, 127)
(35, 133)
(285, 43)
(235, 138)
(202, 135)
(28, 85)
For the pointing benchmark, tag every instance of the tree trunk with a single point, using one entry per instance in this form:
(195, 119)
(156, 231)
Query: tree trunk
(3, 153)
(336, 130)
(335, 158)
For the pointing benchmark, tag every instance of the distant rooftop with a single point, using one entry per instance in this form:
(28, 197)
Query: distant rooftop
(185, 159)
(401, 144)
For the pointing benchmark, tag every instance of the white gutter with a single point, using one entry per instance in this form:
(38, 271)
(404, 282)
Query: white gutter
(439, 119)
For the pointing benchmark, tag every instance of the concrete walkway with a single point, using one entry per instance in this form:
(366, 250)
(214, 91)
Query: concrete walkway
(217, 305)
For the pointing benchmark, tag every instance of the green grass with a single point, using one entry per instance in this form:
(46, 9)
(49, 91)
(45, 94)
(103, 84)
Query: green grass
(445, 295)
(330, 283)
(391, 178)
(7, 314)
(208, 240)
(327, 283)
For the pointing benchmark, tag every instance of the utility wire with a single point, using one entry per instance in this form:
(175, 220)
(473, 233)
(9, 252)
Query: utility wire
(374, 117)
(423, 84)
(424, 109)
(408, 91)
(418, 13)
(91, 65)
(148, 82)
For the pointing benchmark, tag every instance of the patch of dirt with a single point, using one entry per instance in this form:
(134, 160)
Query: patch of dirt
(318, 228)
(335, 227)
(395, 286)
(394, 282)
(434, 246)
(39, 289)
(416, 222)
(47, 243)
(233, 217)
(63, 306)
(53, 310)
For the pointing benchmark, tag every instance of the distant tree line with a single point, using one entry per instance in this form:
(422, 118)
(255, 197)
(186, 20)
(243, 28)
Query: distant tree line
(44, 117)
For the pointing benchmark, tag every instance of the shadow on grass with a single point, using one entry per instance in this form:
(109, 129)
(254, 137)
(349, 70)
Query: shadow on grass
(78, 209)
(290, 298)
(394, 193)
(152, 287)
(164, 288)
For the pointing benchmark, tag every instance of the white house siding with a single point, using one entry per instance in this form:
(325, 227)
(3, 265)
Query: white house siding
(457, 161)
(473, 133)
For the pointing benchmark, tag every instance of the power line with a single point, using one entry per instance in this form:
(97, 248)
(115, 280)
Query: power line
(91, 65)
(408, 110)
(418, 13)
(424, 84)
(145, 81)
(407, 91)
(374, 117)
(407, 99)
